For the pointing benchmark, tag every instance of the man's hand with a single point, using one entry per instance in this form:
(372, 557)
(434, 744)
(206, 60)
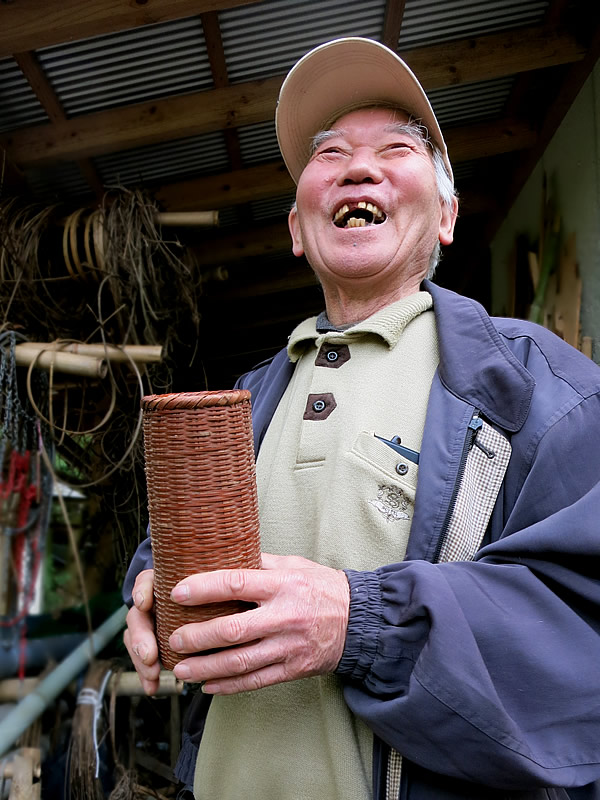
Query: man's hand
(297, 630)
(140, 637)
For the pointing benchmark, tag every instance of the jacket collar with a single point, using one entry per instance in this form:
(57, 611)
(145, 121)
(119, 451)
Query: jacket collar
(475, 363)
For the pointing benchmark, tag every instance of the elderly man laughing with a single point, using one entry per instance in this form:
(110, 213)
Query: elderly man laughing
(428, 479)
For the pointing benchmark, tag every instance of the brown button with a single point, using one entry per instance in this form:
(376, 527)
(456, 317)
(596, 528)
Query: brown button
(319, 406)
(332, 355)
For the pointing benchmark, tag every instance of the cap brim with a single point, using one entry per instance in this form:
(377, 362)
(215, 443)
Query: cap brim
(336, 78)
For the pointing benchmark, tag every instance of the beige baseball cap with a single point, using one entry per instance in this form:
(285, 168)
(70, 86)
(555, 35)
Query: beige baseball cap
(338, 77)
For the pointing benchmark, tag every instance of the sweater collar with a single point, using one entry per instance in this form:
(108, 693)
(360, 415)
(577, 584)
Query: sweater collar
(475, 363)
(388, 324)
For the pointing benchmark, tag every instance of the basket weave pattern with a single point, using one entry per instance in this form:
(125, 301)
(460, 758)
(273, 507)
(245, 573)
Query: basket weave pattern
(201, 480)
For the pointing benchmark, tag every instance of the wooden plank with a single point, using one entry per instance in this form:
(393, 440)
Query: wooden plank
(214, 48)
(492, 56)
(394, 14)
(236, 245)
(36, 77)
(244, 104)
(218, 66)
(486, 139)
(145, 123)
(228, 189)
(38, 23)
(568, 296)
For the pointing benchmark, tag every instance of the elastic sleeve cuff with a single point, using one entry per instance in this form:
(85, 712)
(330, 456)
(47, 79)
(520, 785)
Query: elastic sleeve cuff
(364, 624)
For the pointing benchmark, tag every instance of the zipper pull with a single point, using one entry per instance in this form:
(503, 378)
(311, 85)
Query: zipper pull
(475, 425)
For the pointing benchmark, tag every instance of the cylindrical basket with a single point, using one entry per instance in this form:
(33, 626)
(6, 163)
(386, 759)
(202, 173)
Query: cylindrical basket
(201, 480)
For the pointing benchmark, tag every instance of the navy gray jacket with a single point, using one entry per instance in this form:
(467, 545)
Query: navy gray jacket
(478, 657)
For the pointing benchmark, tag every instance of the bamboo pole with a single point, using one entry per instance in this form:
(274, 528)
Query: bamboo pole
(71, 363)
(124, 684)
(29, 709)
(139, 353)
(32, 754)
(204, 219)
(129, 684)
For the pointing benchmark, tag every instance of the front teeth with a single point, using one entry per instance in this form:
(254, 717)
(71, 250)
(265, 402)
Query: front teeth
(358, 222)
(377, 213)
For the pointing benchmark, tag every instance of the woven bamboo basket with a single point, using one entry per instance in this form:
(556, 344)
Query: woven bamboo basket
(201, 480)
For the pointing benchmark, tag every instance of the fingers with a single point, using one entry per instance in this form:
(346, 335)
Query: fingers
(140, 641)
(252, 585)
(233, 663)
(143, 590)
(233, 629)
(296, 631)
(267, 676)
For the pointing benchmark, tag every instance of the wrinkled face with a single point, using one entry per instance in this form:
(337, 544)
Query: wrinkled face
(368, 209)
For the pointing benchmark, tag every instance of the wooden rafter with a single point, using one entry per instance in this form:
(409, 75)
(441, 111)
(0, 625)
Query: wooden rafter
(146, 123)
(218, 66)
(244, 104)
(41, 86)
(38, 23)
(394, 14)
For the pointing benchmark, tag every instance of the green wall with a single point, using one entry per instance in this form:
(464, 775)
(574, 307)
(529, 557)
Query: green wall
(571, 163)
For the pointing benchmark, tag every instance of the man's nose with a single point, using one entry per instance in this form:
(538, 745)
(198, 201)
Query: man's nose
(361, 167)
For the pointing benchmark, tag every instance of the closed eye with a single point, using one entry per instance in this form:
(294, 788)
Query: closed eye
(332, 150)
(399, 147)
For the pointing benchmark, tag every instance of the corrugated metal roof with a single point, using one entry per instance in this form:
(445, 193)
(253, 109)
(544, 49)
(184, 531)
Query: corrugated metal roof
(268, 38)
(465, 170)
(273, 207)
(174, 160)
(258, 143)
(431, 21)
(129, 67)
(457, 105)
(19, 107)
(62, 182)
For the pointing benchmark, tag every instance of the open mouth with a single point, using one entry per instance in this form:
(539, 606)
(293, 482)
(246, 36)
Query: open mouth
(358, 216)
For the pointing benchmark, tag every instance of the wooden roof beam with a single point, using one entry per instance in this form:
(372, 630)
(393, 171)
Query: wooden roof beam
(34, 24)
(394, 14)
(41, 86)
(245, 104)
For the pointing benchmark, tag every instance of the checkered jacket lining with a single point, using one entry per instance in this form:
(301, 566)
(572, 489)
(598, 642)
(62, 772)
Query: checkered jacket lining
(475, 500)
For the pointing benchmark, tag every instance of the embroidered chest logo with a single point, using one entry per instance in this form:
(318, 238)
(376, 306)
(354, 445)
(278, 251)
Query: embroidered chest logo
(391, 502)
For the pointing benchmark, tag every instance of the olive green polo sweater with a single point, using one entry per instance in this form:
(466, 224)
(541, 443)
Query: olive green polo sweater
(329, 490)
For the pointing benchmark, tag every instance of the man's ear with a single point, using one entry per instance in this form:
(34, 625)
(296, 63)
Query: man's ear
(448, 221)
(294, 226)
